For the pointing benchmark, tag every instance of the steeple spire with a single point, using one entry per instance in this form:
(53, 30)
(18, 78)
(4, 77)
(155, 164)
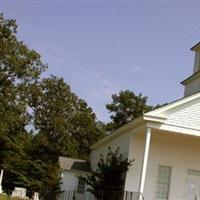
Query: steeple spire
(192, 83)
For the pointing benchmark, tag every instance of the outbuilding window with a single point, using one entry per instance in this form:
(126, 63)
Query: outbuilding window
(81, 186)
(163, 182)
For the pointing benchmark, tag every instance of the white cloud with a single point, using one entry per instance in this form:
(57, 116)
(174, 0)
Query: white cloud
(105, 90)
(107, 83)
(135, 68)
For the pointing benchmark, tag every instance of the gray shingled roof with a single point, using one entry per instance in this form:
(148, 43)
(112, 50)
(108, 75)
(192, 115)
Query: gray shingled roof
(74, 164)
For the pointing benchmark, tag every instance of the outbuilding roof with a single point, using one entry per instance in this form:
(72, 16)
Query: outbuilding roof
(74, 164)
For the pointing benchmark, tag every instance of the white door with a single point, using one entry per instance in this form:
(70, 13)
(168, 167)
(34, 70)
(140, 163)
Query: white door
(192, 189)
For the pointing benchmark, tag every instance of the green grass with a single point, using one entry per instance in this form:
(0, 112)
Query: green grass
(5, 197)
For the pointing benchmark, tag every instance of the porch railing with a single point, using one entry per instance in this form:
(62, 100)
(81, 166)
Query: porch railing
(103, 195)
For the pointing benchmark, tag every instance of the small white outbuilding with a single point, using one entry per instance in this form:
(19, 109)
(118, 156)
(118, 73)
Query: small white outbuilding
(72, 171)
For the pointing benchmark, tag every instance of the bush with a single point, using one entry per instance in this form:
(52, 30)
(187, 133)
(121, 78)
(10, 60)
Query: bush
(109, 177)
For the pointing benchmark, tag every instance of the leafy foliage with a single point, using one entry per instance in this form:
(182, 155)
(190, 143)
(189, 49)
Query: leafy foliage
(65, 124)
(109, 175)
(19, 67)
(126, 106)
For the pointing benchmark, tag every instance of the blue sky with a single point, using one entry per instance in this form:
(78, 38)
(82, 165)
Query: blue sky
(102, 47)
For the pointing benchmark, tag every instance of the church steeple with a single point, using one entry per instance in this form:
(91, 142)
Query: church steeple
(196, 49)
(192, 83)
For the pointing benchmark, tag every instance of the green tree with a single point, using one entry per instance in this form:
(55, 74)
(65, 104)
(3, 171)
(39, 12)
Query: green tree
(19, 67)
(126, 106)
(66, 125)
(109, 176)
(85, 130)
(52, 104)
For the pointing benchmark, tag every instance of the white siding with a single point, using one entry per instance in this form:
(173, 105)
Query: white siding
(136, 153)
(197, 62)
(121, 141)
(69, 181)
(177, 151)
(192, 87)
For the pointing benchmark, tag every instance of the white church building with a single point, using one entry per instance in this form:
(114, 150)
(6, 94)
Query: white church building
(165, 144)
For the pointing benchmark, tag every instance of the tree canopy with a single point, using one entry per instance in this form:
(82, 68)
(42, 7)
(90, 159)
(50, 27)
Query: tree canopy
(126, 106)
(64, 120)
(19, 67)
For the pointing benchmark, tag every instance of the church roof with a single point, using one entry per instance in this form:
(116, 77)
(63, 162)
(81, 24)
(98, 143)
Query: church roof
(191, 78)
(174, 105)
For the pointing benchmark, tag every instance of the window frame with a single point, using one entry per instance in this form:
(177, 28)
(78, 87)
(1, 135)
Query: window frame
(193, 172)
(159, 182)
(81, 186)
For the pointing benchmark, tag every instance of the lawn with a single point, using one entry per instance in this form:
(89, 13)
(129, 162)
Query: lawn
(5, 197)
